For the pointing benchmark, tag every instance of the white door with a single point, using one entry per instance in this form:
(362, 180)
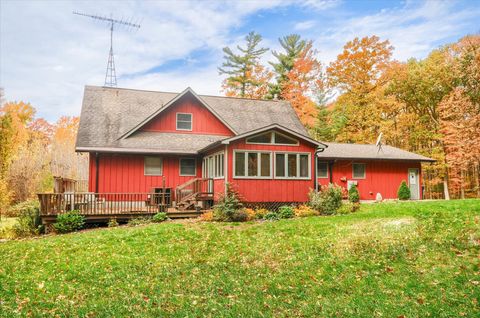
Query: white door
(414, 183)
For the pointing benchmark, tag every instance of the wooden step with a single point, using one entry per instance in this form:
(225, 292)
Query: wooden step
(184, 214)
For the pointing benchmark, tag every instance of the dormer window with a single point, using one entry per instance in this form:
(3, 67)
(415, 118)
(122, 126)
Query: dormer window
(184, 121)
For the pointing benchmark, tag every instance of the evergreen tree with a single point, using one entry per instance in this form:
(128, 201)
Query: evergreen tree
(353, 195)
(240, 67)
(403, 191)
(293, 46)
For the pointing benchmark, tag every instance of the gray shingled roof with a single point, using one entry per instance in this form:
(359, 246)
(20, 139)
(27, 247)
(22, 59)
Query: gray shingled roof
(109, 113)
(356, 151)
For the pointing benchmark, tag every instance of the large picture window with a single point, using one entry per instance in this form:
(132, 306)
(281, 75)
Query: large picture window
(184, 121)
(272, 138)
(358, 171)
(292, 165)
(322, 169)
(252, 164)
(187, 167)
(153, 166)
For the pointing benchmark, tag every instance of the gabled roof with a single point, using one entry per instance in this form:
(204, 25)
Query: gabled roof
(108, 114)
(368, 152)
(187, 91)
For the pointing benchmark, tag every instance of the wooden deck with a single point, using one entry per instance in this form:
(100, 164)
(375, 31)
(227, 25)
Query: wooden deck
(101, 207)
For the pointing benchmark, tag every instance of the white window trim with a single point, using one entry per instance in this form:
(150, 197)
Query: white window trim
(191, 121)
(318, 175)
(364, 171)
(258, 152)
(145, 166)
(272, 139)
(180, 167)
(212, 156)
(298, 165)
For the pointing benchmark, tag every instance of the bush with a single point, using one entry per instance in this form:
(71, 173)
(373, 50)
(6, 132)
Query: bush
(69, 222)
(285, 212)
(112, 223)
(348, 208)
(227, 206)
(18, 208)
(260, 213)
(239, 216)
(353, 195)
(159, 217)
(251, 214)
(304, 210)
(28, 219)
(207, 216)
(403, 191)
(328, 200)
(271, 216)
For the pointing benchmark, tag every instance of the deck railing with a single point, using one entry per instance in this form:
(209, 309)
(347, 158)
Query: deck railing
(202, 187)
(102, 203)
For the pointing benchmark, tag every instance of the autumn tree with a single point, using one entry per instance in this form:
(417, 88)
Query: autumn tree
(246, 76)
(292, 46)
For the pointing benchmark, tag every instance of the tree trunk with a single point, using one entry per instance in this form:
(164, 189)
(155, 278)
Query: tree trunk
(445, 188)
(462, 184)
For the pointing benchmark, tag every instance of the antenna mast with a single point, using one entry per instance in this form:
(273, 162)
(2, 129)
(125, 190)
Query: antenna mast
(110, 74)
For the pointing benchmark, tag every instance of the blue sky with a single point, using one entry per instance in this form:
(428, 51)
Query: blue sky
(48, 55)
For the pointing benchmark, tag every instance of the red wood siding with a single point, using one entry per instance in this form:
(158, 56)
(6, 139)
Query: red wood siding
(203, 121)
(125, 173)
(271, 190)
(382, 177)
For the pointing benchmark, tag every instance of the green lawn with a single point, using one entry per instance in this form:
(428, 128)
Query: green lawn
(387, 260)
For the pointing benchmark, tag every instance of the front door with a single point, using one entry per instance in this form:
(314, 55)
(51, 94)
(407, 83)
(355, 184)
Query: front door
(414, 183)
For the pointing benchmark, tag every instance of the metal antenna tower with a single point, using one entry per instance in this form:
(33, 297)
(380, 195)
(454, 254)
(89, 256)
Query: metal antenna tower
(110, 75)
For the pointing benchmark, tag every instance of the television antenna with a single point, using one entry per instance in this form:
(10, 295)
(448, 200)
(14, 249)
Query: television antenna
(110, 74)
(379, 142)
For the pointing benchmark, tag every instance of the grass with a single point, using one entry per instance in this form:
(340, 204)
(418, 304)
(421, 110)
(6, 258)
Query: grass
(387, 260)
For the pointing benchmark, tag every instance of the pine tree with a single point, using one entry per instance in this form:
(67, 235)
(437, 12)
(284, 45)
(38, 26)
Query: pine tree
(403, 191)
(241, 67)
(353, 195)
(293, 46)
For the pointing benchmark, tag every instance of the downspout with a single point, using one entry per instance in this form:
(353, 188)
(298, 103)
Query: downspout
(97, 163)
(330, 170)
(225, 169)
(315, 181)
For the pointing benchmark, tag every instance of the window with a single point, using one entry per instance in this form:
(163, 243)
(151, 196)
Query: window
(358, 171)
(252, 164)
(153, 166)
(322, 169)
(272, 138)
(292, 165)
(184, 121)
(187, 167)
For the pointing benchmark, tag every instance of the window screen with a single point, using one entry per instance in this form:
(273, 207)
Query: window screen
(280, 165)
(153, 166)
(240, 164)
(187, 167)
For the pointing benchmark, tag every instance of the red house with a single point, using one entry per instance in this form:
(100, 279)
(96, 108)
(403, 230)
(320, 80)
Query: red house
(190, 146)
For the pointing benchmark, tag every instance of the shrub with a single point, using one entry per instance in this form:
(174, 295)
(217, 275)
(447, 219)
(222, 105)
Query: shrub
(239, 216)
(139, 221)
(304, 210)
(328, 200)
(69, 222)
(348, 208)
(227, 205)
(21, 207)
(28, 219)
(251, 214)
(112, 223)
(353, 195)
(285, 212)
(271, 216)
(207, 216)
(260, 213)
(403, 191)
(159, 217)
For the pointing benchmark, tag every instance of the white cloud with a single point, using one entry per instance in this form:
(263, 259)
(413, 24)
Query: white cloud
(304, 25)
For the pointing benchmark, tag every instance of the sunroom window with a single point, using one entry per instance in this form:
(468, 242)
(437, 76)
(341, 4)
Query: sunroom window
(252, 164)
(292, 165)
(272, 138)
